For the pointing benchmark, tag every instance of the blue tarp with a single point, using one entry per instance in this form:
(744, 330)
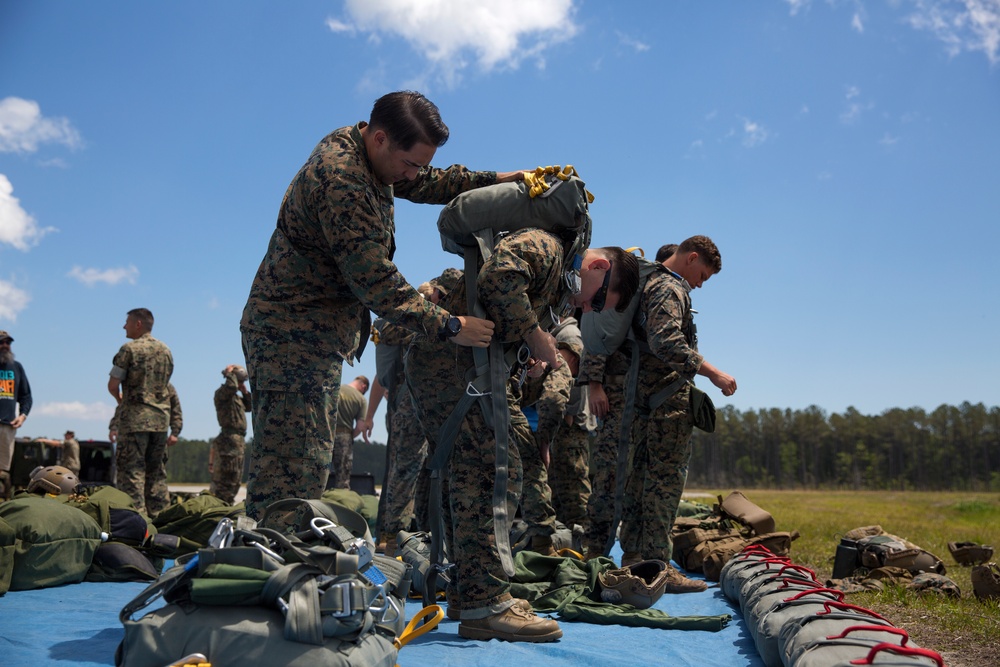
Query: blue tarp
(77, 624)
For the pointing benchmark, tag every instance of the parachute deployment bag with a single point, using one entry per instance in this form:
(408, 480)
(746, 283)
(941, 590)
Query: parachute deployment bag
(261, 596)
(55, 543)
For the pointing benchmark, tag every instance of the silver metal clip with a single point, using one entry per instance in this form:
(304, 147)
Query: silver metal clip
(222, 536)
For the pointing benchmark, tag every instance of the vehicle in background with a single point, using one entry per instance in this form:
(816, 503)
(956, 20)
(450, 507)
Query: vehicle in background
(97, 461)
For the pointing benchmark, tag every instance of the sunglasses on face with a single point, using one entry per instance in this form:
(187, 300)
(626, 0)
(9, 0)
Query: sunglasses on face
(601, 295)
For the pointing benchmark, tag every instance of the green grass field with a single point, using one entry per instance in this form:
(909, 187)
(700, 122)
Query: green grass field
(966, 630)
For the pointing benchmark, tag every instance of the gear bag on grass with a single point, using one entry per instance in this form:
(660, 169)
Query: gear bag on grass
(873, 548)
(308, 591)
(55, 544)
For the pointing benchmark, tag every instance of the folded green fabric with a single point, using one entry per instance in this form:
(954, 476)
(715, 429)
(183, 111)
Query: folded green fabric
(569, 588)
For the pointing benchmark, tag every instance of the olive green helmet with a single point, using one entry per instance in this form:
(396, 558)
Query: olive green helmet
(52, 479)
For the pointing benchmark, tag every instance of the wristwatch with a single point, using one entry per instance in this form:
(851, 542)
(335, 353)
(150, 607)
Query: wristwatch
(452, 328)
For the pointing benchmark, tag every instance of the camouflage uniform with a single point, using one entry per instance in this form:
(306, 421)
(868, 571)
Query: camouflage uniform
(661, 449)
(69, 455)
(144, 366)
(351, 408)
(406, 454)
(569, 469)
(328, 262)
(519, 282)
(230, 409)
(610, 371)
(549, 395)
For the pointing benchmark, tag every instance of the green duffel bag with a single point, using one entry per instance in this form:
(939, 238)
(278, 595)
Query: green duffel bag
(55, 543)
(8, 544)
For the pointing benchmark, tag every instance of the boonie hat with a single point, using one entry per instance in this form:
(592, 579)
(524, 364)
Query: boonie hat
(6, 336)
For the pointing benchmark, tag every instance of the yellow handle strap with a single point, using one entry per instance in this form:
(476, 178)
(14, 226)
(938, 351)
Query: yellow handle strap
(414, 628)
(566, 552)
(634, 248)
(537, 184)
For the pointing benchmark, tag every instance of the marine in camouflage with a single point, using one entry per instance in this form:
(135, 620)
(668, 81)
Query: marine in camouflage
(351, 408)
(516, 286)
(143, 366)
(661, 449)
(610, 371)
(548, 394)
(329, 262)
(407, 456)
(231, 407)
(570, 456)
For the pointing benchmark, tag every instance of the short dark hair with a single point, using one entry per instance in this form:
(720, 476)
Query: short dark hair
(665, 252)
(706, 249)
(624, 274)
(407, 117)
(144, 316)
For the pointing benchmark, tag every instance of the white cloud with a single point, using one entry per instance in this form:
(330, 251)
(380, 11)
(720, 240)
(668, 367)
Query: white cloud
(338, 26)
(91, 277)
(795, 5)
(963, 25)
(855, 107)
(754, 134)
(450, 34)
(888, 140)
(17, 227)
(12, 301)
(856, 23)
(100, 412)
(633, 43)
(23, 129)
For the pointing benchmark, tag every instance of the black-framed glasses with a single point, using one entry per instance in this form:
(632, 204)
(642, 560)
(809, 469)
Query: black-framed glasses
(601, 295)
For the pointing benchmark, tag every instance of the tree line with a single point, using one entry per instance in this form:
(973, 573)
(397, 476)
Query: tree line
(951, 448)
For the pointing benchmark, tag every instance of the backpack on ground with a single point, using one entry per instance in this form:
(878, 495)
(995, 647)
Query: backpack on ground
(307, 593)
(54, 544)
(8, 545)
(706, 544)
(873, 548)
(553, 199)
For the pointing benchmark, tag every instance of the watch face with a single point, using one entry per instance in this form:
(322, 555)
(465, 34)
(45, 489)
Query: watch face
(454, 325)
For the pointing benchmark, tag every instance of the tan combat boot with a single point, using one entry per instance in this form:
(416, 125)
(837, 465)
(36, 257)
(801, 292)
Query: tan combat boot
(455, 614)
(513, 625)
(678, 583)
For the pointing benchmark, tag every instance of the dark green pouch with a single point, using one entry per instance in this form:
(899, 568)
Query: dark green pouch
(702, 410)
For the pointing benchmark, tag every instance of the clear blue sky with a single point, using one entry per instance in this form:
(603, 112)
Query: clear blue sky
(844, 155)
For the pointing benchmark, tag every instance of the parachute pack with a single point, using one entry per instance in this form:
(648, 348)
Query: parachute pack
(304, 587)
